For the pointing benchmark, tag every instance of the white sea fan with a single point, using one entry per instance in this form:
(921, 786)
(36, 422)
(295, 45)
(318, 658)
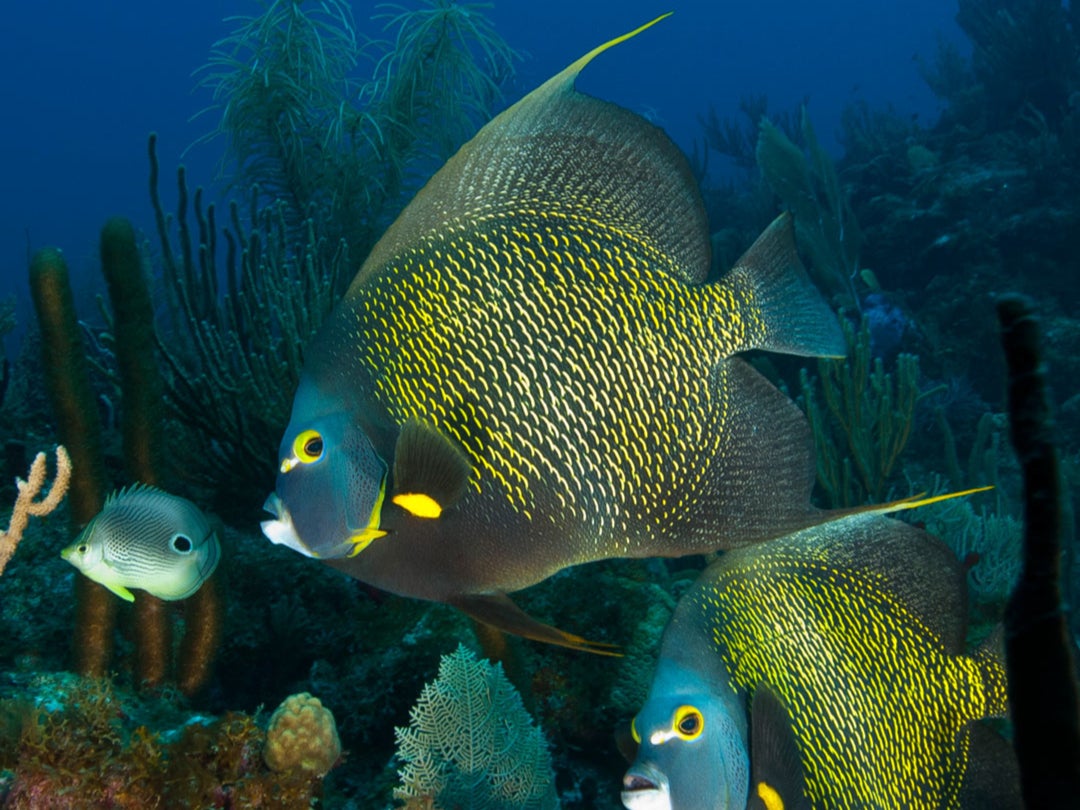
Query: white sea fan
(470, 744)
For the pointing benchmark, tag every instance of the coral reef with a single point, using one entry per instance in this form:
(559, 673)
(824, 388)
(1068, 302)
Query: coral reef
(73, 743)
(321, 155)
(305, 129)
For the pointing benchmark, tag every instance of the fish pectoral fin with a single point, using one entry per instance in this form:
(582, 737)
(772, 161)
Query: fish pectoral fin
(500, 612)
(777, 780)
(430, 470)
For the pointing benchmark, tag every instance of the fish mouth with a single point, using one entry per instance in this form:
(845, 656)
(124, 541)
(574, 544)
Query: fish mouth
(646, 788)
(281, 530)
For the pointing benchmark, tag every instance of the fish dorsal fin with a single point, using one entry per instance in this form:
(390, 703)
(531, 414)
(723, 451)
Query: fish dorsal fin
(430, 471)
(563, 82)
(138, 488)
(560, 153)
(777, 781)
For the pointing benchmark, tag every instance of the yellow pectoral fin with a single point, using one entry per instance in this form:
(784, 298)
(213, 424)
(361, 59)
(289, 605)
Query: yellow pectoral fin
(418, 504)
(361, 540)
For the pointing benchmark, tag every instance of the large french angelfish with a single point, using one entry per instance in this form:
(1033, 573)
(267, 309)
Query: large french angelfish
(531, 371)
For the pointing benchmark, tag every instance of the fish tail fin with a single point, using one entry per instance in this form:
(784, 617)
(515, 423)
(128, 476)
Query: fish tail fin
(500, 612)
(785, 312)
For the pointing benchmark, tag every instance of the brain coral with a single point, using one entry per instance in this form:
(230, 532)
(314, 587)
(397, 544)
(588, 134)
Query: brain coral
(302, 736)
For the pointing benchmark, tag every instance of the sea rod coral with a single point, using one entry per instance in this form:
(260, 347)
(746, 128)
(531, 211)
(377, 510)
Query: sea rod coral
(25, 505)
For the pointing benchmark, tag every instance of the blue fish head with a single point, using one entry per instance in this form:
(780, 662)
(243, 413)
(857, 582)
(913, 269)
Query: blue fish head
(330, 487)
(692, 750)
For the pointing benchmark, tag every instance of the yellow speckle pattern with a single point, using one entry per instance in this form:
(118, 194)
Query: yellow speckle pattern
(559, 349)
(876, 702)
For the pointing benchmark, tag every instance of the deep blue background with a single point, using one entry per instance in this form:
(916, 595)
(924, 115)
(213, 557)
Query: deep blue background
(81, 85)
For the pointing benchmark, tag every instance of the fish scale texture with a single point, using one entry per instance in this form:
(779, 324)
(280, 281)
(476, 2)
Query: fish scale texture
(521, 337)
(877, 699)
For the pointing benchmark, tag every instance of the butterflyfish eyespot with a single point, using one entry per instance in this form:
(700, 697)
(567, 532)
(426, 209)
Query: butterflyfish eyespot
(688, 722)
(182, 544)
(634, 732)
(769, 796)
(307, 447)
(418, 504)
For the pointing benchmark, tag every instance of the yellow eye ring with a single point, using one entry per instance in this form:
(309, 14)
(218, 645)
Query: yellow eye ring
(634, 732)
(688, 723)
(308, 446)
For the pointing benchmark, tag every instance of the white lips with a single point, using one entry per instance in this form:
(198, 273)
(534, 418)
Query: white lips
(654, 793)
(281, 529)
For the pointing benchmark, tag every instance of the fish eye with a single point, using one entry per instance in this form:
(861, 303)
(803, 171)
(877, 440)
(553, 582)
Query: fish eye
(182, 544)
(308, 446)
(688, 722)
(634, 732)
(82, 548)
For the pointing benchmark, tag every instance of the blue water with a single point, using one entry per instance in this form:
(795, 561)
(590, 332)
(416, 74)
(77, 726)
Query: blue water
(82, 84)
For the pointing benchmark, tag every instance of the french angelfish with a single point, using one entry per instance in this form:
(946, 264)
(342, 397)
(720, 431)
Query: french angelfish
(148, 539)
(531, 371)
(844, 645)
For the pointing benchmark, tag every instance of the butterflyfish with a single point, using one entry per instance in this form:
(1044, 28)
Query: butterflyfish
(148, 539)
(825, 669)
(533, 370)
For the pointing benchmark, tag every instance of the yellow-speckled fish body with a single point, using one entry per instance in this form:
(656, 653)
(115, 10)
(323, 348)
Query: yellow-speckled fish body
(856, 627)
(531, 371)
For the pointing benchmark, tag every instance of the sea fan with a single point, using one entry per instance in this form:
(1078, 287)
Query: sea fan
(470, 743)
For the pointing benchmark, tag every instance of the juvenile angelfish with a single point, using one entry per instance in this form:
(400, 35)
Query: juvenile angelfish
(825, 669)
(148, 539)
